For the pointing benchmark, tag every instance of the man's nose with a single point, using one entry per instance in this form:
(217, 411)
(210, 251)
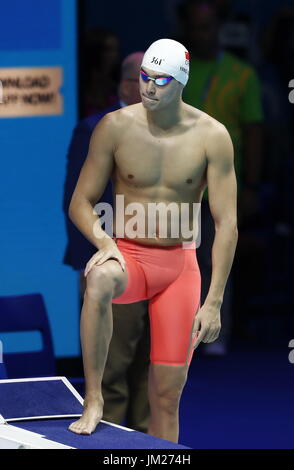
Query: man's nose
(151, 88)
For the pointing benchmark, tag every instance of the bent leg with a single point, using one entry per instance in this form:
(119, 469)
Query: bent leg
(103, 282)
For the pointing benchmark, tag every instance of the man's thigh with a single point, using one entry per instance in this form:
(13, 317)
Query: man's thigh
(136, 289)
(172, 315)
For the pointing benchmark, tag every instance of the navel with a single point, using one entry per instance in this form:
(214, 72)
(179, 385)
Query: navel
(189, 181)
(130, 176)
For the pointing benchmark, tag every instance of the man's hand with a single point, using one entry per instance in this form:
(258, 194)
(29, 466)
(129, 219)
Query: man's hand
(207, 325)
(108, 251)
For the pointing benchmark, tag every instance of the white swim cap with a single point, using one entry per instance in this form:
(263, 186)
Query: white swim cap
(169, 57)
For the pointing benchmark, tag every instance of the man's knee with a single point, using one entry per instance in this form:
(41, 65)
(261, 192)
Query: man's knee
(167, 385)
(168, 400)
(106, 280)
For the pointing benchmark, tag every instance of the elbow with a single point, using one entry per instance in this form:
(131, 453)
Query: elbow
(236, 232)
(77, 204)
(232, 230)
(71, 210)
(69, 213)
(228, 224)
(234, 227)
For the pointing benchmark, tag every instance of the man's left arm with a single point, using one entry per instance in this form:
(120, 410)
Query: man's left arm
(222, 196)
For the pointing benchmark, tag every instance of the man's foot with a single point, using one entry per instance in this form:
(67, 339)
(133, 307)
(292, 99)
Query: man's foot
(92, 414)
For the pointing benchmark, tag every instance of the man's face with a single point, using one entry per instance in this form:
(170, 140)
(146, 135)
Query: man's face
(155, 97)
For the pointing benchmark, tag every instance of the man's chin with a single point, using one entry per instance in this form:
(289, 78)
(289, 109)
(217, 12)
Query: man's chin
(149, 104)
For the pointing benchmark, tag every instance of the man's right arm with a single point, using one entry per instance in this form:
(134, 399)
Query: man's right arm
(92, 181)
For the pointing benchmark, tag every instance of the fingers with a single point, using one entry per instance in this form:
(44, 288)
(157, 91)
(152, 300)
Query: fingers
(197, 324)
(208, 336)
(213, 331)
(211, 335)
(122, 262)
(205, 329)
(196, 330)
(106, 257)
(199, 334)
(100, 258)
(204, 333)
(204, 336)
(91, 263)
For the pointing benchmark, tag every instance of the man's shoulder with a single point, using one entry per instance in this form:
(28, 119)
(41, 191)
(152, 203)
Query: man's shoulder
(215, 135)
(124, 116)
(204, 121)
(127, 112)
(90, 122)
(114, 123)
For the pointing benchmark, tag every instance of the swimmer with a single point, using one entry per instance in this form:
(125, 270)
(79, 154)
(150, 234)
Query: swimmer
(159, 150)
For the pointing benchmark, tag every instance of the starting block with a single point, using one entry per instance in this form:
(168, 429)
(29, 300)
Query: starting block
(35, 413)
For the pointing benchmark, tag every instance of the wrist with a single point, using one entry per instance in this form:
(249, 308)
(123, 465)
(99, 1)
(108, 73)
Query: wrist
(213, 303)
(104, 242)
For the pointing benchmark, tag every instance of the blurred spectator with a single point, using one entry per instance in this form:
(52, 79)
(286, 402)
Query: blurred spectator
(99, 70)
(276, 71)
(125, 379)
(228, 89)
(235, 35)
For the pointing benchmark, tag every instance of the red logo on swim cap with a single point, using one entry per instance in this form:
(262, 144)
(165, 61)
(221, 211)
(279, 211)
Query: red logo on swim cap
(187, 55)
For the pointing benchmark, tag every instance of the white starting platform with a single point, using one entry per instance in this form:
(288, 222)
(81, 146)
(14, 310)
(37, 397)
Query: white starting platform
(35, 414)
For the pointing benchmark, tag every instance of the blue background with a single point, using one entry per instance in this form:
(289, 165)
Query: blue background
(33, 161)
(31, 24)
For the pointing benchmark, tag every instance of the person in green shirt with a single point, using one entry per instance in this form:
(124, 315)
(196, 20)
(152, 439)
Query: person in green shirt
(228, 89)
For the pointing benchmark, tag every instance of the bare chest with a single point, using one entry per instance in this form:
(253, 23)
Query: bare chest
(175, 162)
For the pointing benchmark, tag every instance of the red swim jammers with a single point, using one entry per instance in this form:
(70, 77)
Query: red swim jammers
(169, 278)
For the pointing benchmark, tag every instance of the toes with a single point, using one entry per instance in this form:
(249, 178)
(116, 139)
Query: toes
(78, 429)
(83, 428)
(74, 428)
